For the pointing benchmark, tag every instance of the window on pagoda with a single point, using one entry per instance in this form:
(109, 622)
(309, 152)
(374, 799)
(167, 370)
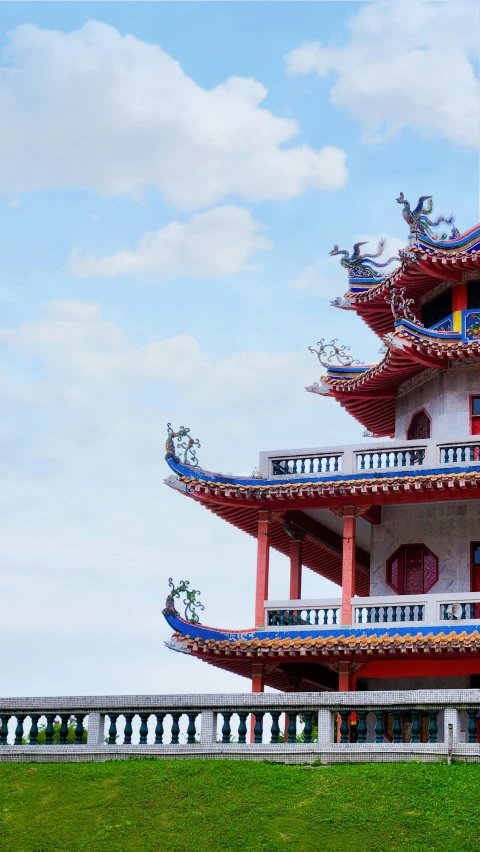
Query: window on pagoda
(475, 414)
(412, 570)
(419, 428)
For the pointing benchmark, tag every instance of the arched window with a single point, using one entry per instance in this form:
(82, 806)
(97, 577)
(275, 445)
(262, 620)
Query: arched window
(419, 428)
(412, 570)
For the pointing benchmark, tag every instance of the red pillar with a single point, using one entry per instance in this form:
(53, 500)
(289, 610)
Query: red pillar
(344, 677)
(348, 563)
(296, 547)
(263, 557)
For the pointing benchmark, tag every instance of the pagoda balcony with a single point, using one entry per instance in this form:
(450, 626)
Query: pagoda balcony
(363, 458)
(389, 610)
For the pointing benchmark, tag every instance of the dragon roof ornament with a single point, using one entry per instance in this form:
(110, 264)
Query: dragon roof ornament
(173, 452)
(418, 221)
(401, 306)
(362, 265)
(326, 352)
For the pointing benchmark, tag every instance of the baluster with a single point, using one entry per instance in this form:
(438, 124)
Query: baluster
(462, 454)
(384, 613)
(395, 459)
(432, 726)
(19, 730)
(275, 729)
(415, 726)
(276, 468)
(302, 466)
(292, 728)
(325, 616)
(4, 731)
(79, 728)
(472, 454)
(362, 726)
(112, 731)
(33, 738)
(344, 714)
(226, 732)
(334, 616)
(421, 456)
(411, 612)
(472, 724)
(311, 465)
(336, 466)
(404, 458)
(359, 615)
(387, 459)
(421, 612)
(376, 611)
(281, 619)
(128, 729)
(362, 461)
(242, 727)
(308, 615)
(49, 729)
(307, 731)
(379, 726)
(290, 616)
(370, 460)
(402, 613)
(397, 726)
(464, 612)
(445, 613)
(191, 729)
(258, 729)
(454, 459)
(394, 612)
(294, 470)
(63, 729)
(369, 614)
(316, 611)
(446, 455)
(175, 727)
(412, 457)
(144, 717)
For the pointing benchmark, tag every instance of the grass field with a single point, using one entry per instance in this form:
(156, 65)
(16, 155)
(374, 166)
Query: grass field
(185, 806)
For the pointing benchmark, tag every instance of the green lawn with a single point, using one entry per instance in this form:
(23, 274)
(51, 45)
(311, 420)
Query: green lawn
(185, 806)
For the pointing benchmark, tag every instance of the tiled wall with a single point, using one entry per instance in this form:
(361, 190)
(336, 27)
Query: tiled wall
(446, 399)
(446, 528)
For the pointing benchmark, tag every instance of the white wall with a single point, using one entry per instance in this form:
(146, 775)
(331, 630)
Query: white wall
(446, 528)
(445, 398)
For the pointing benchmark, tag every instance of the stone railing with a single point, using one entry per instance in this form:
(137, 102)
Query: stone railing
(285, 727)
(350, 459)
(429, 609)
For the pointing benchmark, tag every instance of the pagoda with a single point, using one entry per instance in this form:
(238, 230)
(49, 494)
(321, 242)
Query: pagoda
(394, 521)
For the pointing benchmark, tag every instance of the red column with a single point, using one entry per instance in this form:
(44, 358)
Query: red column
(348, 563)
(295, 569)
(263, 557)
(344, 677)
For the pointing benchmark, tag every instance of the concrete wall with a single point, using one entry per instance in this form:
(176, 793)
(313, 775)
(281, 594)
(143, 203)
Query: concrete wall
(446, 528)
(446, 399)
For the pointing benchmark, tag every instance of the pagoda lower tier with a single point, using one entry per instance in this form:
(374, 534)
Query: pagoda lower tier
(332, 659)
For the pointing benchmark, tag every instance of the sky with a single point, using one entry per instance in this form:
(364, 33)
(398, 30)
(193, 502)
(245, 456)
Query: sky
(173, 177)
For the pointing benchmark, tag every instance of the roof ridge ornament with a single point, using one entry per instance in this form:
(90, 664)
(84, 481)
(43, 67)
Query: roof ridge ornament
(418, 221)
(401, 306)
(326, 352)
(361, 265)
(172, 451)
(190, 602)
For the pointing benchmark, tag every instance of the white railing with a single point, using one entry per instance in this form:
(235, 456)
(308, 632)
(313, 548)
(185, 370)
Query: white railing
(431, 609)
(328, 726)
(392, 455)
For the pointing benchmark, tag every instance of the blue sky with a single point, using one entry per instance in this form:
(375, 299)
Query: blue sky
(174, 176)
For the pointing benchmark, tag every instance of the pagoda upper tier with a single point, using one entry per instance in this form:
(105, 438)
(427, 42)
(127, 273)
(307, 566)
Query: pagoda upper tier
(427, 312)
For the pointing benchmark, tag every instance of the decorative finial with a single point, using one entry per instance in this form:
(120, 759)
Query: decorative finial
(418, 221)
(189, 455)
(190, 603)
(357, 264)
(328, 351)
(401, 306)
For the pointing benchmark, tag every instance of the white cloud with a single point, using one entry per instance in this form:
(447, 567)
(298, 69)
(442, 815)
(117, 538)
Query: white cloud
(216, 243)
(327, 278)
(406, 62)
(95, 110)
